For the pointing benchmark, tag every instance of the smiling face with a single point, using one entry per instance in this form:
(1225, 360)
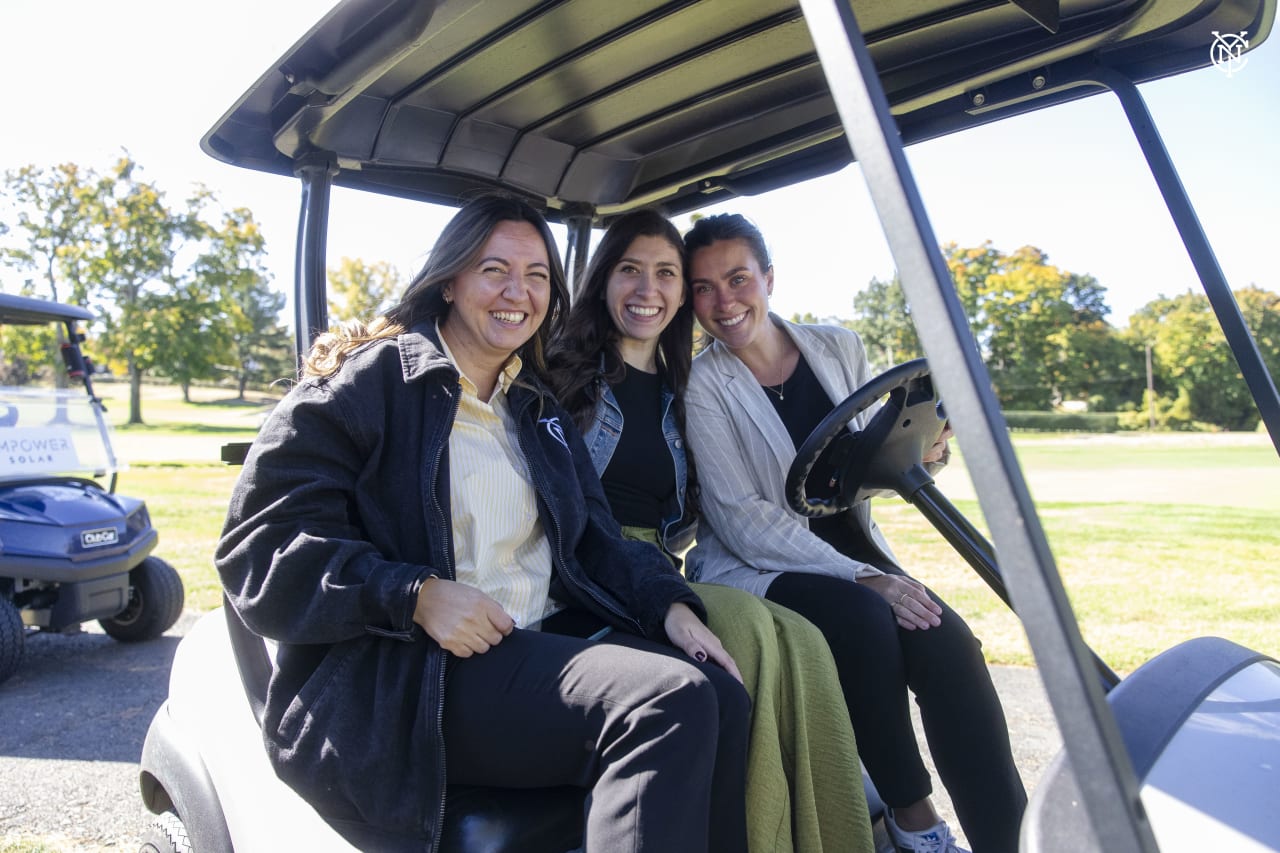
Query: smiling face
(644, 291)
(731, 292)
(499, 301)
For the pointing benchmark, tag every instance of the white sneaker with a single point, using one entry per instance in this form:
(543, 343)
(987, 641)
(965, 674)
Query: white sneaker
(935, 839)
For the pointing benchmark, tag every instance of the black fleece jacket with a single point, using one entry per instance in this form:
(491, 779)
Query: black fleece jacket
(340, 514)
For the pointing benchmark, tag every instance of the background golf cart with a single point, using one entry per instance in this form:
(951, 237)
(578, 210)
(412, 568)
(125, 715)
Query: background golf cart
(591, 108)
(70, 550)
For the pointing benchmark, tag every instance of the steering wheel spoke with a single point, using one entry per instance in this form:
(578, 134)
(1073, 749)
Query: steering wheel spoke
(885, 455)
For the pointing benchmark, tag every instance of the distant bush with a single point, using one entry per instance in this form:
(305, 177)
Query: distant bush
(1063, 421)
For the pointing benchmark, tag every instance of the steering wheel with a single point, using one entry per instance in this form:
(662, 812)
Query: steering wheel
(886, 455)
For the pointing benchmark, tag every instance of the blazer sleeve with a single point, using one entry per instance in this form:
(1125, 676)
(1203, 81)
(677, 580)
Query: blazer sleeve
(757, 529)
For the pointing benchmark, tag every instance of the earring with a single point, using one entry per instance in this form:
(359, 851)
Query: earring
(448, 298)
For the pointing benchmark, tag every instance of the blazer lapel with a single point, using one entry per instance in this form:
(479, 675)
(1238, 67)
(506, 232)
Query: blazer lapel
(742, 386)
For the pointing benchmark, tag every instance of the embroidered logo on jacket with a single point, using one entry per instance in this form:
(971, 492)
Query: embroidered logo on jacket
(555, 430)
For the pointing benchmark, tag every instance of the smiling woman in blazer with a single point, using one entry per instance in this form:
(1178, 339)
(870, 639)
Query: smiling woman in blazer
(754, 396)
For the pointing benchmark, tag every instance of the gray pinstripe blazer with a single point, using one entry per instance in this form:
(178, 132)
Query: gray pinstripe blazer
(748, 533)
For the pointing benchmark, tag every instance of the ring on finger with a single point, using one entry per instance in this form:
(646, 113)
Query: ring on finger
(902, 598)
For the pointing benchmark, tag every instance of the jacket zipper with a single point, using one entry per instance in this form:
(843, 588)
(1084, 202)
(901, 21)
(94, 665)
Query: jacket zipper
(447, 527)
(558, 537)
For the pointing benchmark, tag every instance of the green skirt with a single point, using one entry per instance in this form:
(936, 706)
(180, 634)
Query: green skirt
(804, 778)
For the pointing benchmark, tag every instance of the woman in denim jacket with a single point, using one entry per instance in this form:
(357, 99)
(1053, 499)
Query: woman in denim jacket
(408, 513)
(627, 347)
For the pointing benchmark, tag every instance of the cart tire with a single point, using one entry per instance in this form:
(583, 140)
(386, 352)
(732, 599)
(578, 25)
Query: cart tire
(155, 603)
(166, 834)
(13, 637)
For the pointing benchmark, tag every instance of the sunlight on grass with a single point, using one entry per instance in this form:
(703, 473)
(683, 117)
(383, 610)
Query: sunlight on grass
(1145, 560)
(188, 504)
(1140, 577)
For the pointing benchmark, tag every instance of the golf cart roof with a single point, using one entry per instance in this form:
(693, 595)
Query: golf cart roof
(25, 311)
(594, 107)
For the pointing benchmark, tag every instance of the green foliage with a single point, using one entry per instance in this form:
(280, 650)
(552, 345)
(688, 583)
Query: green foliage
(362, 291)
(175, 294)
(1193, 364)
(1041, 330)
(883, 320)
(26, 353)
(1063, 421)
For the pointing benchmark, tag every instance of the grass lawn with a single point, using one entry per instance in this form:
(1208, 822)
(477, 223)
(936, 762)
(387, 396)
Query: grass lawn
(1158, 538)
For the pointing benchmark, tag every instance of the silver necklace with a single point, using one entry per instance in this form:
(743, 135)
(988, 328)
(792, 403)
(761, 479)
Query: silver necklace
(778, 391)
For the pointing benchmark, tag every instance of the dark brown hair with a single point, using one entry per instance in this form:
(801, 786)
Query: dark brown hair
(590, 334)
(458, 246)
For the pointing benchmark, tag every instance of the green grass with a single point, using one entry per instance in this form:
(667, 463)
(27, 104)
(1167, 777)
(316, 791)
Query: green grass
(1157, 538)
(188, 504)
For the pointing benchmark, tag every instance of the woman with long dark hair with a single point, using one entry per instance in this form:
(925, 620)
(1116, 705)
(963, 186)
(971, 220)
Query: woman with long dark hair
(620, 368)
(410, 516)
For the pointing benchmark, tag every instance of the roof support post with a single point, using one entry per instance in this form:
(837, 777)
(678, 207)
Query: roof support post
(1090, 734)
(575, 253)
(310, 288)
(1243, 345)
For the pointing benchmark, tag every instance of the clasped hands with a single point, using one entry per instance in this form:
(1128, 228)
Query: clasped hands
(466, 622)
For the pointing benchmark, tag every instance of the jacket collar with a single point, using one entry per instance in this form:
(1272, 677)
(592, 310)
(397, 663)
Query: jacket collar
(421, 352)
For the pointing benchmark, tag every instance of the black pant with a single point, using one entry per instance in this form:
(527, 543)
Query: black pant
(659, 740)
(963, 720)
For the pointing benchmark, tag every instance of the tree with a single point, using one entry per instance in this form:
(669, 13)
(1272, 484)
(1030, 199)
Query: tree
(128, 258)
(233, 264)
(361, 291)
(50, 211)
(1032, 322)
(883, 319)
(1192, 358)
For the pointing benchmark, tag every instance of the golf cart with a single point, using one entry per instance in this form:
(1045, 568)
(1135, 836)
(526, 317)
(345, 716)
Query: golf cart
(70, 549)
(592, 108)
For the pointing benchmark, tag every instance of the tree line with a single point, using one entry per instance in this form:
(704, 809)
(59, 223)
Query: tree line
(1044, 337)
(182, 292)
(179, 291)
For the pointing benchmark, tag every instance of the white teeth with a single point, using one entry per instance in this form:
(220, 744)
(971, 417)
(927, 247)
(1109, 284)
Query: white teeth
(645, 311)
(508, 316)
(733, 321)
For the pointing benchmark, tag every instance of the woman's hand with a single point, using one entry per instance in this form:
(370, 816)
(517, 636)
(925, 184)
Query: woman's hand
(686, 631)
(461, 618)
(907, 597)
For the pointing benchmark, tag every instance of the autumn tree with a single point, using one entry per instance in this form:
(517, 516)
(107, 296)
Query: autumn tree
(360, 290)
(1032, 320)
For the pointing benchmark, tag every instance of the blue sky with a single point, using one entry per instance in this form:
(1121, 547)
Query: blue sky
(151, 77)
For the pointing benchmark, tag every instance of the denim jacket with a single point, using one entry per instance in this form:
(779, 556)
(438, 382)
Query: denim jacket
(676, 531)
(340, 514)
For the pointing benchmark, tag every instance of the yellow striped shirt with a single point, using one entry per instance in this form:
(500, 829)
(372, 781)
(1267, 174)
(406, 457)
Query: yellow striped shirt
(499, 545)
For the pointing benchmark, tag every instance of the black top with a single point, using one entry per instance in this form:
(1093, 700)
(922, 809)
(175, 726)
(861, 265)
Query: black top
(801, 402)
(640, 479)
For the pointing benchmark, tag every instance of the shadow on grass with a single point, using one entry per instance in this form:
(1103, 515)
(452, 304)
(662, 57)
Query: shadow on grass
(234, 403)
(183, 427)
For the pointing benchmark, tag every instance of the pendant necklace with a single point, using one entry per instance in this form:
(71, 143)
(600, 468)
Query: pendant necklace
(777, 390)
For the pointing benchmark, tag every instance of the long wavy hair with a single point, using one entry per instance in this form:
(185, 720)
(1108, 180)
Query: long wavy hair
(590, 334)
(457, 248)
